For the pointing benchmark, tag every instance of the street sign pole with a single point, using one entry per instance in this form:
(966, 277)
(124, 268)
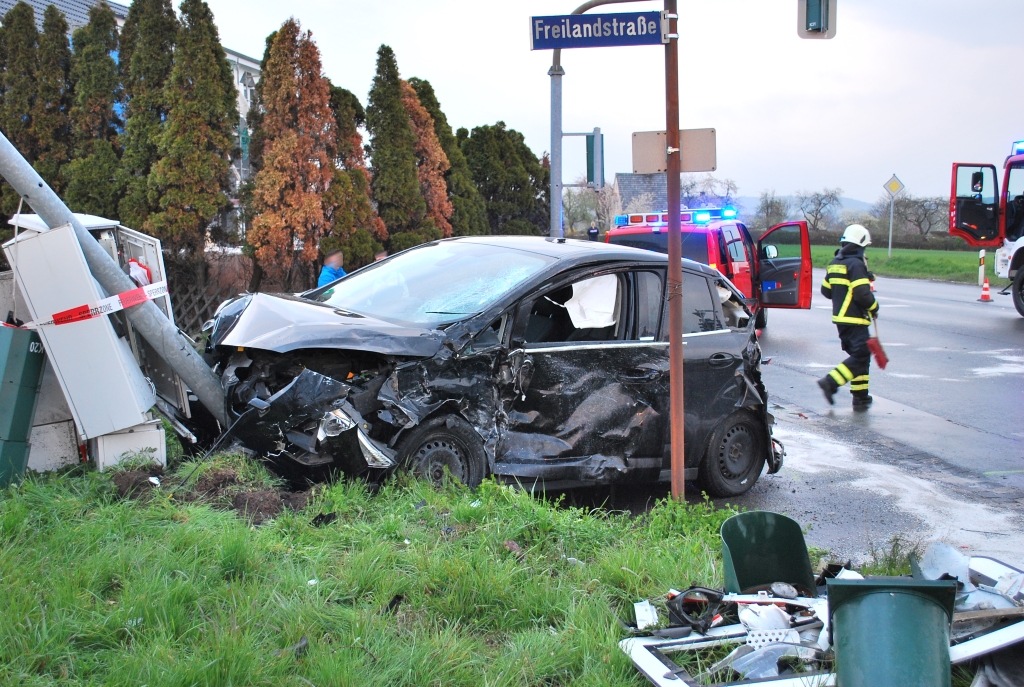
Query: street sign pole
(674, 288)
(556, 73)
(894, 186)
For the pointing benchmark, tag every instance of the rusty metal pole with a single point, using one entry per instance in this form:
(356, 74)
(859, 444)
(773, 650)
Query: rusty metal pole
(674, 288)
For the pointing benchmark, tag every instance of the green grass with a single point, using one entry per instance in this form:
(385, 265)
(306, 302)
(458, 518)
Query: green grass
(911, 263)
(102, 591)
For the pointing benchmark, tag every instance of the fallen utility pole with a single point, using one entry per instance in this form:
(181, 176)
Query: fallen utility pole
(146, 317)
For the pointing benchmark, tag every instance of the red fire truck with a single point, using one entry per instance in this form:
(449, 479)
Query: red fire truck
(986, 216)
(772, 272)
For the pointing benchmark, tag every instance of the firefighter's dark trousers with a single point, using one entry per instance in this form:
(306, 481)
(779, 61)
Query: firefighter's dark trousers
(853, 370)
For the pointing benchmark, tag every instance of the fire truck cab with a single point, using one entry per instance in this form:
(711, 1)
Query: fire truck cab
(985, 215)
(772, 272)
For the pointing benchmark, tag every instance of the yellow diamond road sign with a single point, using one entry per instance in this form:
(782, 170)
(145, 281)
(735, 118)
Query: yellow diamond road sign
(893, 186)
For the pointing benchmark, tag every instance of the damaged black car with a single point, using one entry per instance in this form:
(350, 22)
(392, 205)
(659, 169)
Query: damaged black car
(538, 361)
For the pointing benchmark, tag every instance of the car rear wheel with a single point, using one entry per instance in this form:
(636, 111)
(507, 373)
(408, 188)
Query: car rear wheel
(735, 455)
(445, 444)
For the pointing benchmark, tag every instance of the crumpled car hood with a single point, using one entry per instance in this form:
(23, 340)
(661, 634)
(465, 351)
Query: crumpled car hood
(282, 323)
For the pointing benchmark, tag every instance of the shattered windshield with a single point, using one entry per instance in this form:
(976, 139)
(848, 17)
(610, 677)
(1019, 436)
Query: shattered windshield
(435, 284)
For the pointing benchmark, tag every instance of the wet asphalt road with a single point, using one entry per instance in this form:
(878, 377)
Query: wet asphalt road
(939, 456)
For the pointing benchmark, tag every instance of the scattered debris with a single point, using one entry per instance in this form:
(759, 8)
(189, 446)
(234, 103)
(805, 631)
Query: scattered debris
(323, 519)
(138, 482)
(772, 638)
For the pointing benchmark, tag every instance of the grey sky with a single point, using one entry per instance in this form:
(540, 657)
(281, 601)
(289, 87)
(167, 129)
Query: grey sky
(905, 87)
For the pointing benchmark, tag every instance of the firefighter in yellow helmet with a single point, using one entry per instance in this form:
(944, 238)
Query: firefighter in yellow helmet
(848, 284)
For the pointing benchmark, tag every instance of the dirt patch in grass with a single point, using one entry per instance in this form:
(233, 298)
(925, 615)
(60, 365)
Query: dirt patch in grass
(214, 483)
(135, 483)
(258, 506)
(220, 486)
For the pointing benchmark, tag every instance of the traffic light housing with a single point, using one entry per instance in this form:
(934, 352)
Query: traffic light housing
(595, 159)
(816, 18)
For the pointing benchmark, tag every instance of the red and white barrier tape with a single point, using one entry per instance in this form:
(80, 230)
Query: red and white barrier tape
(105, 306)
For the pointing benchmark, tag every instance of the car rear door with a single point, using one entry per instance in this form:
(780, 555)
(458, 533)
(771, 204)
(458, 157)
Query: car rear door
(784, 267)
(973, 205)
(713, 353)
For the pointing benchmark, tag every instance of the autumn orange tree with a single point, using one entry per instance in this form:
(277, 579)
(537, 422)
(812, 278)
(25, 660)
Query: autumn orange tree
(291, 201)
(431, 161)
(469, 212)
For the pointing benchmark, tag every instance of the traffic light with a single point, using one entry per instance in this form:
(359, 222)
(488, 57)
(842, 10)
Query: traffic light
(595, 159)
(816, 18)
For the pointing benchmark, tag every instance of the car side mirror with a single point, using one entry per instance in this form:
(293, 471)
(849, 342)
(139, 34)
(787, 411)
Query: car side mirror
(770, 252)
(977, 182)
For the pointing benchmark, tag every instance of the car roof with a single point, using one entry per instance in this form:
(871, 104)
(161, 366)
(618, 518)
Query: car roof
(577, 252)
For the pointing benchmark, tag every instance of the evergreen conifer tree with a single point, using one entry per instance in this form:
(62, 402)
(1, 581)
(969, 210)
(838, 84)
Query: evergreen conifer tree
(147, 49)
(90, 178)
(190, 179)
(396, 188)
(51, 119)
(511, 179)
(18, 84)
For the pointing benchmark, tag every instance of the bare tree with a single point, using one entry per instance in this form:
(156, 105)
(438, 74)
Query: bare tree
(819, 208)
(707, 191)
(771, 210)
(609, 204)
(643, 202)
(921, 214)
(579, 206)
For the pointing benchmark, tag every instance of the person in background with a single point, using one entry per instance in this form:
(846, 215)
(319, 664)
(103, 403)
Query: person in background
(592, 232)
(332, 269)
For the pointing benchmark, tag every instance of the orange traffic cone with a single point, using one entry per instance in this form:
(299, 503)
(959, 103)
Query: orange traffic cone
(986, 297)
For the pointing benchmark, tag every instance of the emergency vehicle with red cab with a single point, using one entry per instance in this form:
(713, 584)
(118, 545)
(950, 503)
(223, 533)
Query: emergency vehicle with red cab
(989, 217)
(772, 272)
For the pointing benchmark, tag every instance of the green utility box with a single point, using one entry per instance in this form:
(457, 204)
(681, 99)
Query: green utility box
(21, 368)
(891, 631)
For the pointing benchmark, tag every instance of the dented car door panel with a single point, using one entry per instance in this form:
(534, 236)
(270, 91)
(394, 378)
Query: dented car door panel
(588, 412)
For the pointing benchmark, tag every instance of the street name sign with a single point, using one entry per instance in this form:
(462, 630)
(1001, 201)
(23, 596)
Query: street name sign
(596, 30)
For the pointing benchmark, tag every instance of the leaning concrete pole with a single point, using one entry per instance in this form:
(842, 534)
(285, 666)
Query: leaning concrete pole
(147, 319)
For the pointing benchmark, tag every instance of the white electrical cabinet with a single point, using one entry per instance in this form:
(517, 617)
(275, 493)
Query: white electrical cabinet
(101, 380)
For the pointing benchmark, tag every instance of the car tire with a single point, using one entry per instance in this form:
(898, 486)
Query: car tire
(1018, 291)
(761, 318)
(444, 444)
(735, 455)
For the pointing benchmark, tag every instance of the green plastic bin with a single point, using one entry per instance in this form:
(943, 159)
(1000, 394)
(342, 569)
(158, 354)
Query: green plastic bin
(21, 368)
(891, 631)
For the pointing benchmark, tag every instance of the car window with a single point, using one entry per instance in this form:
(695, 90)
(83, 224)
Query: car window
(735, 245)
(695, 243)
(735, 312)
(649, 300)
(700, 313)
(587, 309)
(436, 283)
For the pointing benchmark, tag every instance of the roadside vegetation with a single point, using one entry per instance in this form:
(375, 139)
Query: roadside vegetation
(108, 579)
(912, 263)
